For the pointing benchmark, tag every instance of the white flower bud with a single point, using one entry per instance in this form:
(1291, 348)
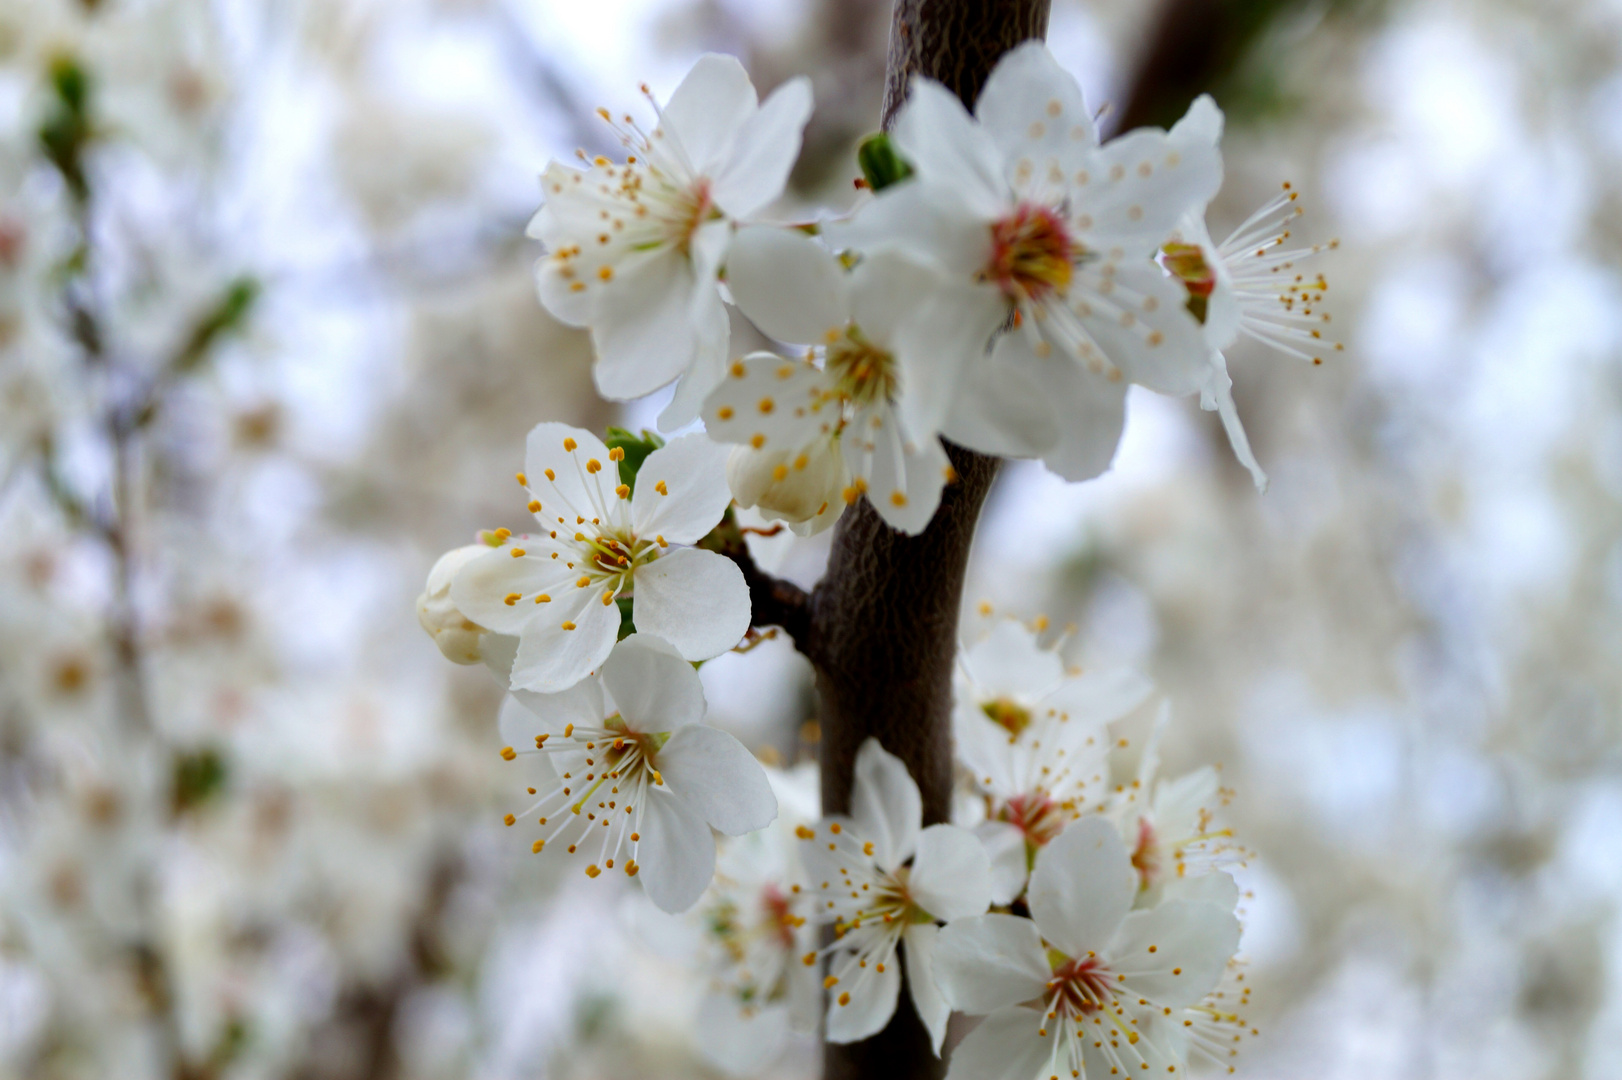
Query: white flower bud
(798, 486)
(457, 636)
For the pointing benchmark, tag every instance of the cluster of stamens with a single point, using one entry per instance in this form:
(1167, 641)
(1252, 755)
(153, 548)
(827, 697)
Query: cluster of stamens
(861, 372)
(870, 909)
(579, 809)
(1032, 254)
(1084, 994)
(1278, 306)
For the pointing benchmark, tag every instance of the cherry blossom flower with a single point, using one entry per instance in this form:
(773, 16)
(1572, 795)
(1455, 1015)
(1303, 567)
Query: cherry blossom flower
(873, 383)
(801, 486)
(755, 926)
(1167, 825)
(634, 250)
(457, 636)
(1032, 737)
(862, 884)
(1086, 987)
(1042, 231)
(555, 589)
(1249, 286)
(635, 769)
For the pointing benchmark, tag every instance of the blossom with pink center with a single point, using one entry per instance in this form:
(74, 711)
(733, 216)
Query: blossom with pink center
(1086, 987)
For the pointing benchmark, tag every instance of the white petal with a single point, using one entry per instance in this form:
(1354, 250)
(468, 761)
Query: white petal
(1219, 390)
(1005, 1046)
(498, 652)
(676, 852)
(766, 149)
(1004, 405)
(480, 588)
(740, 1040)
(681, 490)
(887, 287)
(935, 133)
(1142, 325)
(925, 220)
(571, 489)
(1082, 886)
(951, 873)
(549, 714)
(904, 486)
(1202, 123)
(696, 600)
(885, 806)
(642, 324)
(1142, 185)
(708, 110)
(653, 688)
(1216, 888)
(1179, 803)
(788, 284)
(708, 365)
(872, 1000)
(950, 330)
(984, 748)
(989, 962)
(918, 946)
(1092, 415)
(1010, 867)
(1192, 943)
(1008, 662)
(1033, 109)
(551, 658)
(1100, 695)
(713, 771)
(770, 403)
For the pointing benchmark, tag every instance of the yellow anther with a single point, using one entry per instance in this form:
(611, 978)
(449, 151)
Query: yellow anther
(757, 440)
(800, 462)
(568, 730)
(522, 479)
(594, 466)
(835, 828)
(767, 405)
(809, 959)
(550, 475)
(535, 848)
(780, 472)
(661, 489)
(569, 445)
(634, 836)
(804, 833)
(830, 982)
(583, 582)
(724, 413)
(592, 870)
(631, 868)
(509, 820)
(519, 553)
(606, 273)
(534, 506)
(844, 998)
(867, 848)
(617, 454)
(608, 597)
(508, 753)
(623, 491)
(510, 599)
(661, 541)
(542, 598)
(502, 534)
(568, 626)
(898, 498)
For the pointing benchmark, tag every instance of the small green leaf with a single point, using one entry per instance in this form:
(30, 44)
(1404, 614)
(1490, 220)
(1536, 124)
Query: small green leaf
(636, 447)
(199, 775)
(880, 163)
(627, 627)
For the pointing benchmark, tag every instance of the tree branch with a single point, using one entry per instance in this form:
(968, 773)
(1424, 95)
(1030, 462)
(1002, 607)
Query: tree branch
(775, 602)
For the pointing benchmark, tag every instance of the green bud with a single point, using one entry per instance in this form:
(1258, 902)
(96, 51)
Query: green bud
(880, 163)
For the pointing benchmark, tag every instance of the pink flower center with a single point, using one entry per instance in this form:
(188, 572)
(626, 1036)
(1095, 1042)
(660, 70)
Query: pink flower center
(1078, 987)
(1037, 816)
(1032, 254)
(1146, 854)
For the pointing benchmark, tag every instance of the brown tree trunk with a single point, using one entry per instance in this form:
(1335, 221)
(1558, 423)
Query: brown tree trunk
(883, 627)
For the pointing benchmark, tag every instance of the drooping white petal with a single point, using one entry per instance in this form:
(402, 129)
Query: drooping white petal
(740, 1040)
(1092, 415)
(1004, 405)
(558, 477)
(1033, 110)
(765, 150)
(642, 325)
(770, 403)
(1082, 886)
(1005, 1046)
(905, 484)
(551, 658)
(872, 999)
(1192, 943)
(951, 873)
(653, 688)
(708, 110)
(1005, 847)
(696, 600)
(789, 285)
(713, 771)
(481, 587)
(549, 714)
(885, 806)
(989, 962)
(676, 853)
(1010, 662)
(935, 133)
(681, 490)
(1217, 395)
(918, 949)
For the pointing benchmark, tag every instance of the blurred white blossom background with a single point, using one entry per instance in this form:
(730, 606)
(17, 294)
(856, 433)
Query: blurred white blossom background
(282, 348)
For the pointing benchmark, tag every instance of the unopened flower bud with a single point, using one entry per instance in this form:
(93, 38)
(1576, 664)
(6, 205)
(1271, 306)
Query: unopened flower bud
(799, 486)
(457, 636)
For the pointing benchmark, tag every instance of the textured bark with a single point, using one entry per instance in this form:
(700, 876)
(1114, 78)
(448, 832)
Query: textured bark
(883, 627)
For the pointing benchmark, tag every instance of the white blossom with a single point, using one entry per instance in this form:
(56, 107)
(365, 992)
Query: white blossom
(1032, 737)
(635, 250)
(457, 636)
(555, 589)
(874, 381)
(884, 882)
(634, 769)
(802, 486)
(1045, 233)
(1086, 987)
